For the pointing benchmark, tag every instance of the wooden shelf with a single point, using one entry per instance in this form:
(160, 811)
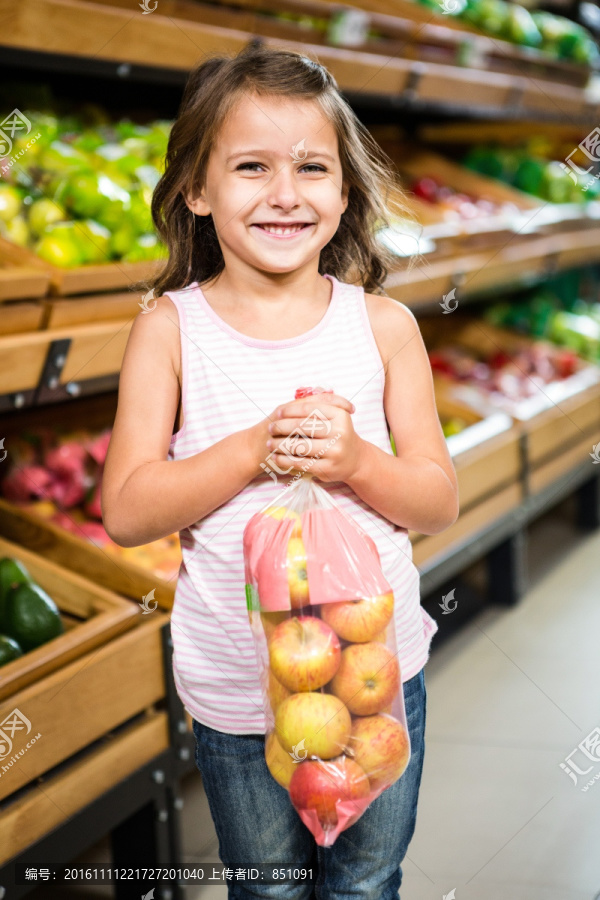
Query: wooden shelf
(517, 263)
(178, 40)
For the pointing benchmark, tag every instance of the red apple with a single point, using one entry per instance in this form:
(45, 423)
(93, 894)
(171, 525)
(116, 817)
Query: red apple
(297, 577)
(368, 678)
(322, 785)
(359, 620)
(314, 724)
(279, 762)
(380, 745)
(304, 653)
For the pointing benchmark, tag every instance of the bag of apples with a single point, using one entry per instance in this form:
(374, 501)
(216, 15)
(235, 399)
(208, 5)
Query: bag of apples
(321, 613)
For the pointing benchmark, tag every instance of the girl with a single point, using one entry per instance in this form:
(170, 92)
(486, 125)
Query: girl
(268, 206)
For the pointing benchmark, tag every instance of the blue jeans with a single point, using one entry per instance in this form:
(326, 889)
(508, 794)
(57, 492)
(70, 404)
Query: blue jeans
(257, 824)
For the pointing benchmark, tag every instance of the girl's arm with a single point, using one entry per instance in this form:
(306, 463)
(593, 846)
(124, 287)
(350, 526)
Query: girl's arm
(417, 489)
(145, 496)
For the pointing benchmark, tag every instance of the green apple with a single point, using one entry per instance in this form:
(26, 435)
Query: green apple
(62, 158)
(60, 246)
(88, 141)
(10, 202)
(94, 241)
(16, 231)
(43, 213)
(139, 215)
(115, 203)
(138, 146)
(122, 240)
(81, 194)
(145, 247)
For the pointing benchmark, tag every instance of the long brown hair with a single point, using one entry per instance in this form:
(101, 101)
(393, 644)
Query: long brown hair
(353, 254)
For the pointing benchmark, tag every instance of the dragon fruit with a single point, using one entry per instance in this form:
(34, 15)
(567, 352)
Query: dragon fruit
(25, 483)
(93, 504)
(98, 447)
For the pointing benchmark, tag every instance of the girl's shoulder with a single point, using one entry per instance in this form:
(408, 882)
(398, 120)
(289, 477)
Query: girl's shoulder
(157, 326)
(392, 322)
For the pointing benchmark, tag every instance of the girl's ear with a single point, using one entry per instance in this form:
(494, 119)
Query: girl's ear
(197, 204)
(345, 192)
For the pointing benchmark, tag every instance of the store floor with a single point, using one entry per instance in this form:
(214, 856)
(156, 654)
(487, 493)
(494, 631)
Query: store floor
(510, 695)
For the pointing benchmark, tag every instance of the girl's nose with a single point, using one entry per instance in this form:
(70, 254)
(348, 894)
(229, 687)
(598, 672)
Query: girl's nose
(282, 189)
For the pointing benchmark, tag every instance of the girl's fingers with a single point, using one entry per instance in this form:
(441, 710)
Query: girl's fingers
(300, 449)
(303, 408)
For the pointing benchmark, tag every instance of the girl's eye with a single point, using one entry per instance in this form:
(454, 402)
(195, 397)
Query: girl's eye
(251, 165)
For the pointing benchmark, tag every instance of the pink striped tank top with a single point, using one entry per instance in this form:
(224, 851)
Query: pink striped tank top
(230, 382)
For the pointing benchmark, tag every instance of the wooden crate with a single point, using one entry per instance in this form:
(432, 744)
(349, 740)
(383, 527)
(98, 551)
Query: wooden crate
(101, 566)
(20, 279)
(109, 276)
(419, 162)
(91, 616)
(431, 549)
(480, 336)
(486, 455)
(61, 313)
(18, 316)
(559, 424)
(26, 818)
(562, 437)
(95, 350)
(489, 469)
(80, 702)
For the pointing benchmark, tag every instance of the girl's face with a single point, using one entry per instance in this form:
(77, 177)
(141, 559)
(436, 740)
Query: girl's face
(253, 181)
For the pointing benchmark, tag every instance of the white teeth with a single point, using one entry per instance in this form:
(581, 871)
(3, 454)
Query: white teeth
(272, 230)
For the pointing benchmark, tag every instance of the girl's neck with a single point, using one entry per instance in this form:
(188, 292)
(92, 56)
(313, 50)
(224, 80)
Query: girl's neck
(276, 318)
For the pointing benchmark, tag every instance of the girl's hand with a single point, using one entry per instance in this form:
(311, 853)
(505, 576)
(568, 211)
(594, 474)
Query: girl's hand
(316, 435)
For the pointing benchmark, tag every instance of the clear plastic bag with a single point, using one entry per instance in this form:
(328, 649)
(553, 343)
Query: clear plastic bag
(321, 613)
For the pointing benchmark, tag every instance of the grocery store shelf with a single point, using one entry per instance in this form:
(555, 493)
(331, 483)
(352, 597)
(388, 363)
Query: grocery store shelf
(582, 480)
(519, 262)
(126, 41)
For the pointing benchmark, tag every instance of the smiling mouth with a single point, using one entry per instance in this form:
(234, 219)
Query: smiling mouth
(283, 230)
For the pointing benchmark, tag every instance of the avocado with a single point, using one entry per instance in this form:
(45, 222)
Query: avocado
(9, 649)
(31, 617)
(12, 571)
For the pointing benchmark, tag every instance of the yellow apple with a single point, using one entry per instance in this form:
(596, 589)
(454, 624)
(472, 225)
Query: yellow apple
(359, 620)
(297, 577)
(368, 678)
(279, 762)
(282, 512)
(380, 745)
(318, 723)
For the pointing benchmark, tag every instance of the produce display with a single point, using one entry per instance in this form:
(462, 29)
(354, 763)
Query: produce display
(80, 193)
(28, 616)
(322, 613)
(540, 313)
(457, 204)
(537, 167)
(453, 425)
(507, 376)
(557, 36)
(57, 475)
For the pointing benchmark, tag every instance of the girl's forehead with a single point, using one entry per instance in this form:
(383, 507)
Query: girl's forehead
(269, 111)
(275, 123)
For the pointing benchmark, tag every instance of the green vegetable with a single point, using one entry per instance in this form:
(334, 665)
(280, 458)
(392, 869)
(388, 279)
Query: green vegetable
(12, 572)
(30, 616)
(521, 28)
(9, 649)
